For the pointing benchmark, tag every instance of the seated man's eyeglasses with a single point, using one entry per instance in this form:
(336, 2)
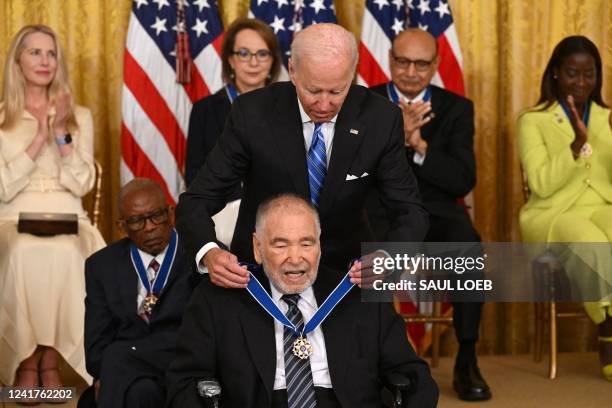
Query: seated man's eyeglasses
(404, 63)
(137, 222)
(245, 55)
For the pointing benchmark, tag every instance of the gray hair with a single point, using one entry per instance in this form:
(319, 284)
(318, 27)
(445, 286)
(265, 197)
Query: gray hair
(324, 42)
(285, 202)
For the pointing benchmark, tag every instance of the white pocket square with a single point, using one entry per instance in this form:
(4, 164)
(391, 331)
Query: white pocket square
(365, 174)
(351, 177)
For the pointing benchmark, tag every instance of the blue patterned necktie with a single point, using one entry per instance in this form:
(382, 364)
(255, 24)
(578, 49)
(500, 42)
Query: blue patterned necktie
(317, 165)
(298, 375)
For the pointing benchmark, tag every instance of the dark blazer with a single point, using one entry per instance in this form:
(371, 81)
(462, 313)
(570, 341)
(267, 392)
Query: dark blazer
(449, 170)
(263, 146)
(119, 346)
(206, 123)
(227, 335)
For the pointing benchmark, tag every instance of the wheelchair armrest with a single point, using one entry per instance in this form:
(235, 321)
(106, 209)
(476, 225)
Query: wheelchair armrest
(209, 391)
(400, 386)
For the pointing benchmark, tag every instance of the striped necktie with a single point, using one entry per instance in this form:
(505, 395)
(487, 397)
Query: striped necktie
(298, 374)
(317, 165)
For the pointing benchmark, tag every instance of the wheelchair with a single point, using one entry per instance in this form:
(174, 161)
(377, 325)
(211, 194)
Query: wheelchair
(397, 388)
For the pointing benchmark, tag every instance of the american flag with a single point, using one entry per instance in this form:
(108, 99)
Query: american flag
(155, 106)
(382, 21)
(287, 17)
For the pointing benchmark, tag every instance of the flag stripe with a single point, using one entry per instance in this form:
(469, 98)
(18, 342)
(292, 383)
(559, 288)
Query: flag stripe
(373, 38)
(144, 167)
(196, 89)
(158, 152)
(209, 66)
(369, 69)
(155, 107)
(450, 71)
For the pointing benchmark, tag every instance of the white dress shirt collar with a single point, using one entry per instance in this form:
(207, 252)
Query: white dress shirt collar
(307, 296)
(406, 99)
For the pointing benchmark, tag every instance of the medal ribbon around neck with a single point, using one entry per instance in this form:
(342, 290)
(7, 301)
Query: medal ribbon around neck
(262, 297)
(232, 92)
(164, 270)
(585, 115)
(394, 97)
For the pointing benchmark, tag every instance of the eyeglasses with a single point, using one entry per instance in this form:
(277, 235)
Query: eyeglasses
(245, 55)
(419, 65)
(137, 222)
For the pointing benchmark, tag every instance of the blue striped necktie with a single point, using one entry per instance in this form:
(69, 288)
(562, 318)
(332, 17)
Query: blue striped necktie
(317, 165)
(298, 374)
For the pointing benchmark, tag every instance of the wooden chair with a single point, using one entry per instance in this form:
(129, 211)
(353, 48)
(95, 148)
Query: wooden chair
(436, 319)
(548, 267)
(96, 195)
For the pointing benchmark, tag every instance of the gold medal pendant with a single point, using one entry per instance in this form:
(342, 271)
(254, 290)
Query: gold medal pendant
(302, 348)
(149, 302)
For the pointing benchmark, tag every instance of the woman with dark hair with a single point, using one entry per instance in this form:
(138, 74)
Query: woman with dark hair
(46, 165)
(565, 145)
(251, 59)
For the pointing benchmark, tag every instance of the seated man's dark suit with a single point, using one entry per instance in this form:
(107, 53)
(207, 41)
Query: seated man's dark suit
(263, 146)
(227, 335)
(120, 347)
(447, 175)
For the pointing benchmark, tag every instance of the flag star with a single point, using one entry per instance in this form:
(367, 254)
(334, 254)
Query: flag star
(278, 24)
(141, 3)
(261, 1)
(317, 5)
(410, 5)
(173, 52)
(281, 3)
(160, 25)
(200, 27)
(442, 9)
(201, 4)
(161, 3)
(423, 27)
(398, 26)
(424, 7)
(399, 4)
(381, 3)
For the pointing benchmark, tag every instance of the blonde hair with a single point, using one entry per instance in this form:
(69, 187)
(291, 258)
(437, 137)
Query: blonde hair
(13, 88)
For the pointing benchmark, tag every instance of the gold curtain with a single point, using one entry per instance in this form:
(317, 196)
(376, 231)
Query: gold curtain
(505, 46)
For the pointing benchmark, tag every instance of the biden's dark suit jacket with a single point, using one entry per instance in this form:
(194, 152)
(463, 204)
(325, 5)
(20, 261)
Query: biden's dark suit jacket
(263, 146)
(227, 335)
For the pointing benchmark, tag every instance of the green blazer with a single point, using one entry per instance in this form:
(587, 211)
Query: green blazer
(555, 178)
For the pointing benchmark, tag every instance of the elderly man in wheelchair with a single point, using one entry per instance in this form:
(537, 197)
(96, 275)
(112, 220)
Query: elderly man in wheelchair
(299, 336)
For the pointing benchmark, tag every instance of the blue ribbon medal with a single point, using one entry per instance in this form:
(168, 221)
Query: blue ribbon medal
(394, 97)
(301, 346)
(232, 92)
(585, 116)
(162, 276)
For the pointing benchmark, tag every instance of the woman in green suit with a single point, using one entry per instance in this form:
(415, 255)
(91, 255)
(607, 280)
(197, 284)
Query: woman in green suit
(565, 146)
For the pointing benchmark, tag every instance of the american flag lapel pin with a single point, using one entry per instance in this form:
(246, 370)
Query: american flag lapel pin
(354, 131)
